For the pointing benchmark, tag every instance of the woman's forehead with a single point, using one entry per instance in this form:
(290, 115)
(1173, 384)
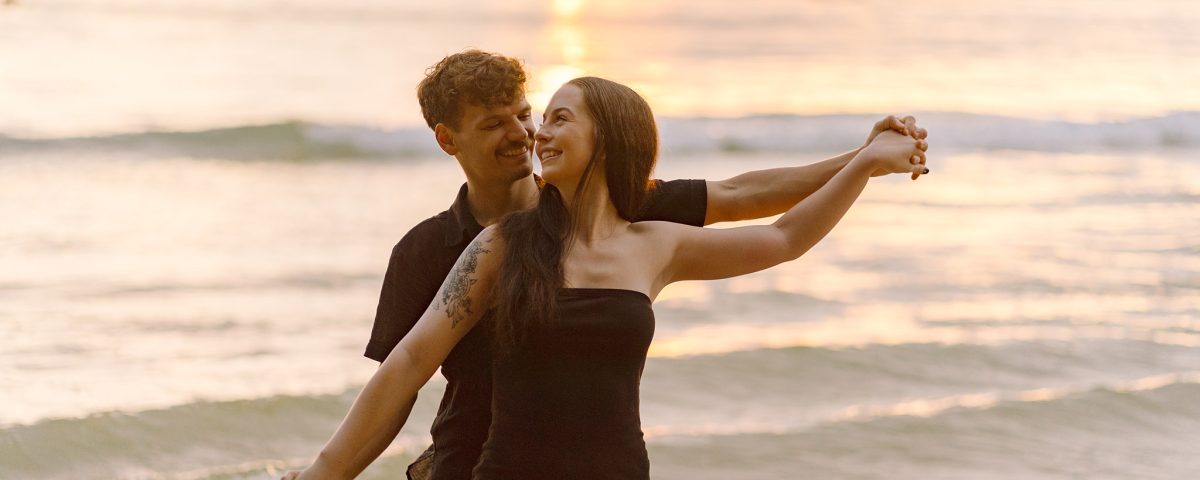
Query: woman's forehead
(568, 96)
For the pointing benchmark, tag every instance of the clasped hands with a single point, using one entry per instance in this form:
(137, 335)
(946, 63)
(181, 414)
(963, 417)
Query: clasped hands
(896, 145)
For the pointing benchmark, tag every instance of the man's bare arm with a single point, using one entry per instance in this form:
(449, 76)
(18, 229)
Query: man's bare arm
(763, 193)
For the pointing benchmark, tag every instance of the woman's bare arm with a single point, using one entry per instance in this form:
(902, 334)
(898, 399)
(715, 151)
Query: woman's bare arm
(700, 254)
(763, 193)
(379, 411)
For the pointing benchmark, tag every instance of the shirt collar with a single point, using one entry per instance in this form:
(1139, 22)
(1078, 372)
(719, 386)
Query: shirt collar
(461, 225)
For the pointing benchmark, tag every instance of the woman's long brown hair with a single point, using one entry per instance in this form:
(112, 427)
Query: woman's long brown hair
(531, 274)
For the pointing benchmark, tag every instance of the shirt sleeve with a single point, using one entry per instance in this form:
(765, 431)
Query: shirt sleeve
(408, 288)
(677, 201)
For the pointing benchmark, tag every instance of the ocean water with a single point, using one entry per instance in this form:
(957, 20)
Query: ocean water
(197, 204)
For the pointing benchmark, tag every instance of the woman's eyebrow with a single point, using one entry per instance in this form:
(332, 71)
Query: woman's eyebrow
(552, 112)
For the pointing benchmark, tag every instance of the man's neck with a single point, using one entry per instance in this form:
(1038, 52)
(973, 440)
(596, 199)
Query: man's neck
(490, 201)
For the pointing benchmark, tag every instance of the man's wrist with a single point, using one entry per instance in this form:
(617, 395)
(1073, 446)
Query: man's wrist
(845, 158)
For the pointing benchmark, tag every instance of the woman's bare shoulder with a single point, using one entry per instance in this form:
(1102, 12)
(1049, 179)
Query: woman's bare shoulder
(658, 233)
(658, 227)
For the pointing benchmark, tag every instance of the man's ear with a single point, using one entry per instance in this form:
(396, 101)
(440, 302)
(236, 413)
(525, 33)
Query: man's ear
(445, 139)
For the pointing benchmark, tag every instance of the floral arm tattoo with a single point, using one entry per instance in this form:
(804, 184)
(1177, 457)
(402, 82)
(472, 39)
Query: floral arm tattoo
(454, 292)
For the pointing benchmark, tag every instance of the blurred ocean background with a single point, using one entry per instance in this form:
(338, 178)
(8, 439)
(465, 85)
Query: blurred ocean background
(198, 200)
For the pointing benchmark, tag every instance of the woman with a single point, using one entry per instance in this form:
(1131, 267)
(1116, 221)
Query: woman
(567, 287)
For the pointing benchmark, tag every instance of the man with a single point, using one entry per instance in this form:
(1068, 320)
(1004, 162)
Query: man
(475, 104)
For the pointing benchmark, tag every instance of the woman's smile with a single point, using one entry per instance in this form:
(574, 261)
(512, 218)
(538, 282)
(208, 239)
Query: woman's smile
(547, 154)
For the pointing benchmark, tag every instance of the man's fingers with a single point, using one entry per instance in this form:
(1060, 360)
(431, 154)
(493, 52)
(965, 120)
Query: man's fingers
(922, 145)
(897, 124)
(922, 133)
(910, 126)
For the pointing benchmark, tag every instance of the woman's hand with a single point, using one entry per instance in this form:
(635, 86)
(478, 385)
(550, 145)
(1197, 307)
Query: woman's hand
(903, 126)
(891, 152)
(314, 471)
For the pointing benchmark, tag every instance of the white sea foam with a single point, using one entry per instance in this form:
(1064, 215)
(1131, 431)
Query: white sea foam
(680, 136)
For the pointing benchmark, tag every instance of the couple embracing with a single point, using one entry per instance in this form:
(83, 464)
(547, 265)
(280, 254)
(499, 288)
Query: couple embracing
(533, 294)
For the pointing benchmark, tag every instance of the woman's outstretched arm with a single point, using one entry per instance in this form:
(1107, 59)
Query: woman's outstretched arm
(379, 411)
(763, 193)
(701, 254)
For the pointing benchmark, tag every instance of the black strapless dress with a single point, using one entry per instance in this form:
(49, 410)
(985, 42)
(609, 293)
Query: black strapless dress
(565, 404)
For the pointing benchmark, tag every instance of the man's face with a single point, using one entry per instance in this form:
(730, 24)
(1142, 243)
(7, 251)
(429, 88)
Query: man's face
(494, 144)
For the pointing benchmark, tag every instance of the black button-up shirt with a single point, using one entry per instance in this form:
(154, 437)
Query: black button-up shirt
(420, 263)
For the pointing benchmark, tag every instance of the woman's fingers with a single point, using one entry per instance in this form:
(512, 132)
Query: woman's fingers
(918, 162)
(918, 159)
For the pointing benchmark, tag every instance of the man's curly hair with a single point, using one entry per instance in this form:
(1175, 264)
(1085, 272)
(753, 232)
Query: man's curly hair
(472, 77)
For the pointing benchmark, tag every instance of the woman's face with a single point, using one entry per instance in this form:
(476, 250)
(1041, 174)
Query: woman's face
(565, 140)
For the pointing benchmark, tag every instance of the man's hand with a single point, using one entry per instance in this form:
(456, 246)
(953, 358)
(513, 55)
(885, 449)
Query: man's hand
(905, 126)
(292, 475)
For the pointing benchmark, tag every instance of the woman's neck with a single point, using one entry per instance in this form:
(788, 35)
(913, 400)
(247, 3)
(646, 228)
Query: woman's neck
(598, 217)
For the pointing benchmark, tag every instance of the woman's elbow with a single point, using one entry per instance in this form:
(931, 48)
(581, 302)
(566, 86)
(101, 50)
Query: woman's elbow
(413, 360)
(790, 246)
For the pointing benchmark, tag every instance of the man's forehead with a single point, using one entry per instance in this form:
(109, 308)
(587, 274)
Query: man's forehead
(479, 110)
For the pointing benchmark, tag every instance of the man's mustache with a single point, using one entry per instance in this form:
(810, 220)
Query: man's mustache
(528, 145)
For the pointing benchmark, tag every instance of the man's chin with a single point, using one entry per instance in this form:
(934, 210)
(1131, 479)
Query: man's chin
(520, 173)
(513, 173)
(522, 166)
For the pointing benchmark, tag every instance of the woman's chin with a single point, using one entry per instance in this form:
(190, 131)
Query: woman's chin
(550, 176)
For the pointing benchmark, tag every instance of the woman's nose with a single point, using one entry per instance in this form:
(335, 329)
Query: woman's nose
(541, 135)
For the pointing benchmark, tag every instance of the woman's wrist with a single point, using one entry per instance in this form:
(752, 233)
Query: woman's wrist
(862, 163)
(321, 468)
